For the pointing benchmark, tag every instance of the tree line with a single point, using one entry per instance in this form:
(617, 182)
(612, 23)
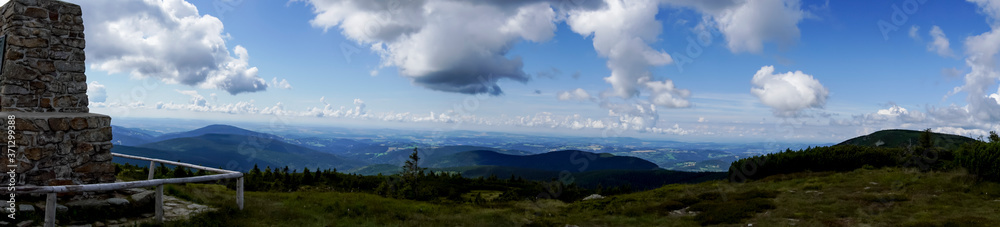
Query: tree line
(980, 157)
(414, 183)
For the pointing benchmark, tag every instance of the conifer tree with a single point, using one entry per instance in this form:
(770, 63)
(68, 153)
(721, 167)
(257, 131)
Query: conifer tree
(268, 175)
(926, 139)
(307, 177)
(411, 174)
(179, 172)
(411, 168)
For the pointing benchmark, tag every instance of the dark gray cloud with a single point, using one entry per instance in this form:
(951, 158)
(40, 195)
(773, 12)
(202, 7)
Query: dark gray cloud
(436, 51)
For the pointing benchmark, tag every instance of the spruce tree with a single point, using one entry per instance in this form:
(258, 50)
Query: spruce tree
(411, 168)
(926, 139)
(268, 175)
(307, 177)
(179, 172)
(255, 170)
(411, 173)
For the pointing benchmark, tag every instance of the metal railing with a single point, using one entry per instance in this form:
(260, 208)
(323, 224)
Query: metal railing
(50, 191)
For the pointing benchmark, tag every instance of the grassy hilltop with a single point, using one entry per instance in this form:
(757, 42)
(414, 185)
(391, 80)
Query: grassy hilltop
(901, 138)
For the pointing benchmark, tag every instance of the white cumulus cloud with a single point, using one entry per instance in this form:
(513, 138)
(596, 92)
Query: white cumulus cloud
(622, 32)
(96, 91)
(280, 84)
(940, 45)
(196, 99)
(981, 51)
(748, 24)
(579, 94)
(914, 33)
(663, 93)
(788, 93)
(167, 40)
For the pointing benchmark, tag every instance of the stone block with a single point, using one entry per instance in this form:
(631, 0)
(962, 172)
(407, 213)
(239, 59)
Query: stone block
(83, 148)
(102, 157)
(35, 153)
(36, 12)
(78, 123)
(25, 139)
(58, 124)
(49, 137)
(100, 134)
(18, 72)
(95, 167)
(41, 125)
(14, 89)
(25, 125)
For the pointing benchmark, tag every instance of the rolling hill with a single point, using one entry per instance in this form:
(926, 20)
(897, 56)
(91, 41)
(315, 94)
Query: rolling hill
(130, 136)
(902, 138)
(388, 152)
(238, 152)
(216, 129)
(569, 160)
(161, 154)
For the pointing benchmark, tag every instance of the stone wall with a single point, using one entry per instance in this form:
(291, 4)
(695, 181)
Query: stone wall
(43, 66)
(44, 88)
(62, 148)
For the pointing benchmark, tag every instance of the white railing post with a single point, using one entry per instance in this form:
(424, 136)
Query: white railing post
(50, 209)
(239, 192)
(152, 167)
(159, 204)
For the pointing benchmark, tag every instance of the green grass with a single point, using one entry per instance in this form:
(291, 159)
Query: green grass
(484, 194)
(877, 197)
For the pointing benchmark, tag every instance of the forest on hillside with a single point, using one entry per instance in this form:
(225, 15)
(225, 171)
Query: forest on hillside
(980, 157)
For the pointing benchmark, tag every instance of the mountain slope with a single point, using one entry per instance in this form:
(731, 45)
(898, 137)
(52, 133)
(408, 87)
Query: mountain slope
(568, 160)
(130, 136)
(902, 138)
(387, 152)
(242, 152)
(216, 129)
(165, 155)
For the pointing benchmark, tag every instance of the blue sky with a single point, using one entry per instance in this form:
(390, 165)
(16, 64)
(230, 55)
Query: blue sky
(784, 70)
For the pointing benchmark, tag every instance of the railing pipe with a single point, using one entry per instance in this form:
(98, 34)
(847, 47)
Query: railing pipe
(50, 191)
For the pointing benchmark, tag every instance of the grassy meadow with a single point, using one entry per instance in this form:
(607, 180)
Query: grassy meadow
(875, 197)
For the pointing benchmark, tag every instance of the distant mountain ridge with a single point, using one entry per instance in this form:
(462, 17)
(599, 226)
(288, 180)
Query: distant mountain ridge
(217, 129)
(903, 138)
(240, 152)
(568, 160)
(130, 136)
(229, 146)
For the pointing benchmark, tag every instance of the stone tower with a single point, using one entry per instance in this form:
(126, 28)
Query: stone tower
(43, 89)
